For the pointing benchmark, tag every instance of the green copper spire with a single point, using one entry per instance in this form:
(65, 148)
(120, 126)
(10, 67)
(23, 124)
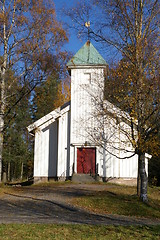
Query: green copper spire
(87, 55)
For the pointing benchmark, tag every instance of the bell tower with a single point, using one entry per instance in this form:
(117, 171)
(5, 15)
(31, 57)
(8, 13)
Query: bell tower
(87, 69)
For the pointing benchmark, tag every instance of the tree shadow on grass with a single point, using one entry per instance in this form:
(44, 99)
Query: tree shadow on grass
(123, 204)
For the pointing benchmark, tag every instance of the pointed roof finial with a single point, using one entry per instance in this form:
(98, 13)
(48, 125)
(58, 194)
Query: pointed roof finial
(87, 25)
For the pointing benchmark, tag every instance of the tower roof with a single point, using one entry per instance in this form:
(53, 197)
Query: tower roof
(87, 56)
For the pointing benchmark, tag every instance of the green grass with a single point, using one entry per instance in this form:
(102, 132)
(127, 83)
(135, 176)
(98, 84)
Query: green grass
(121, 200)
(68, 232)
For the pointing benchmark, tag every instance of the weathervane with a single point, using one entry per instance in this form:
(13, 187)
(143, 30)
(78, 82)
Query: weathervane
(87, 25)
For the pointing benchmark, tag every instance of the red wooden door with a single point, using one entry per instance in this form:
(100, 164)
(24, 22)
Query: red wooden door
(86, 160)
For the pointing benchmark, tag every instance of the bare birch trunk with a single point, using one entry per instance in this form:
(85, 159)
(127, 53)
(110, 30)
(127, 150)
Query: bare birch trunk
(9, 170)
(2, 121)
(21, 171)
(138, 178)
(144, 178)
(2, 89)
(1, 146)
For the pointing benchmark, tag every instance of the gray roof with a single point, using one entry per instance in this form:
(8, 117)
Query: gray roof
(87, 55)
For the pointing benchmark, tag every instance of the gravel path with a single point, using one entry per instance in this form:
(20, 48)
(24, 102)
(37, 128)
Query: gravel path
(52, 205)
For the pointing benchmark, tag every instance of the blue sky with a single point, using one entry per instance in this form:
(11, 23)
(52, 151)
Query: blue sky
(74, 43)
(108, 53)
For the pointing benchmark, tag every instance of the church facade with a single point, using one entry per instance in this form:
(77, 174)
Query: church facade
(87, 135)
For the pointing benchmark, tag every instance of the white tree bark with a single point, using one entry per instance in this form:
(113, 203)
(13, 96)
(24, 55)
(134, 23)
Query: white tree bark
(2, 89)
(143, 178)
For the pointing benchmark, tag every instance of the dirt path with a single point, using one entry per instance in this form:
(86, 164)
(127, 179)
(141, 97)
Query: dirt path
(53, 205)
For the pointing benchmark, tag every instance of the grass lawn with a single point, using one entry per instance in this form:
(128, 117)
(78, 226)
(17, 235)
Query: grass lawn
(121, 200)
(42, 231)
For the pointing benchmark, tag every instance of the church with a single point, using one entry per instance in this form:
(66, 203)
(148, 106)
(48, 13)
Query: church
(87, 135)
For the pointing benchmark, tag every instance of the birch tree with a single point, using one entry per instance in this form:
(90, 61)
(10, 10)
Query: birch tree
(28, 30)
(131, 28)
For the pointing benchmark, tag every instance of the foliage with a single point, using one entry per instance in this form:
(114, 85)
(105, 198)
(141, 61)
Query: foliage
(31, 39)
(154, 173)
(63, 92)
(44, 97)
(34, 40)
(17, 149)
(121, 89)
(54, 91)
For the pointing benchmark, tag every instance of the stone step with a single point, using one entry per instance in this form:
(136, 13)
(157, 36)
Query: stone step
(83, 178)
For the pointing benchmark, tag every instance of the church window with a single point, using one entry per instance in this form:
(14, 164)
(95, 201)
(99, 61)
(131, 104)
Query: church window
(86, 78)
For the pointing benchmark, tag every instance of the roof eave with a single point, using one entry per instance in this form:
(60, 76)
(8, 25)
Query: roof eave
(52, 115)
(88, 66)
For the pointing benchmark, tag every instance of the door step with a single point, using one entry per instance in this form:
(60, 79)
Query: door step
(83, 178)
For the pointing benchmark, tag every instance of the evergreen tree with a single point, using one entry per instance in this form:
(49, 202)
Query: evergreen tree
(18, 150)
